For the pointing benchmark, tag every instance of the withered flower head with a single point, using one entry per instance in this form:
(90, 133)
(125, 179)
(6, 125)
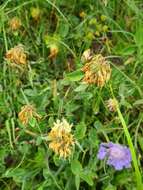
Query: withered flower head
(53, 51)
(87, 55)
(111, 105)
(35, 13)
(17, 55)
(97, 71)
(61, 138)
(26, 113)
(15, 23)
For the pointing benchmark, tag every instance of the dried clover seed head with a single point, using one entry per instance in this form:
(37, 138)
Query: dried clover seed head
(26, 113)
(15, 23)
(111, 105)
(53, 51)
(97, 71)
(17, 55)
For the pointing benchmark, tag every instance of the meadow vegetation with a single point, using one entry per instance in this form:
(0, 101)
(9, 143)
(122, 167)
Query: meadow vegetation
(71, 94)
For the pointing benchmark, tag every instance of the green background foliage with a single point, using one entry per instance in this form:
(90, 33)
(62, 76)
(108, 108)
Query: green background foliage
(113, 28)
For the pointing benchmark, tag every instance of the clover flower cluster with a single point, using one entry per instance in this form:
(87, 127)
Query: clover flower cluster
(61, 138)
(97, 69)
(17, 55)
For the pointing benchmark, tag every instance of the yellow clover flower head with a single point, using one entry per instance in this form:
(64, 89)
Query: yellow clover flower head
(97, 71)
(61, 138)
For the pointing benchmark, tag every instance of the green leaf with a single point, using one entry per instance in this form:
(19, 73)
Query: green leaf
(87, 177)
(40, 188)
(138, 102)
(32, 122)
(123, 178)
(128, 50)
(49, 40)
(46, 173)
(81, 87)
(39, 159)
(75, 76)
(29, 92)
(139, 33)
(110, 187)
(18, 174)
(92, 137)
(63, 29)
(76, 167)
(80, 131)
(140, 140)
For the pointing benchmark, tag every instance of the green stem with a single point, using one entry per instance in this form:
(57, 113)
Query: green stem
(133, 153)
(131, 146)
